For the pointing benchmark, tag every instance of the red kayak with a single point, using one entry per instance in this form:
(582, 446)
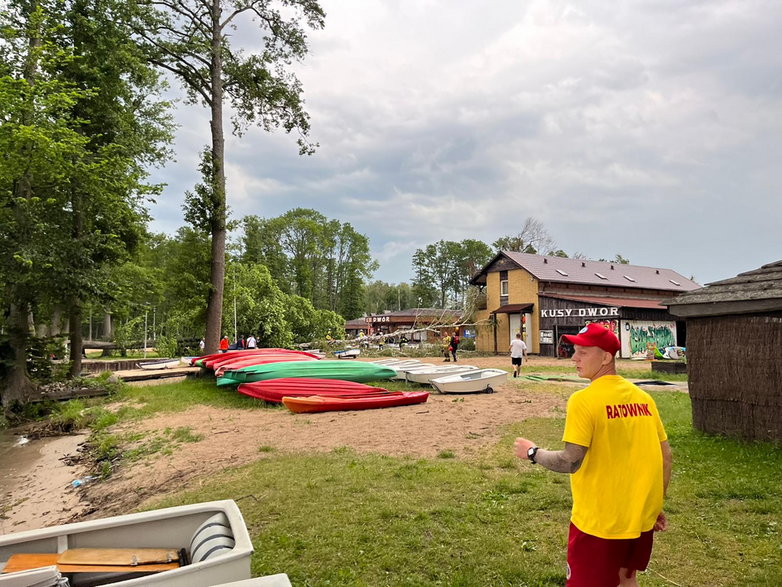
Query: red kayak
(318, 403)
(214, 360)
(273, 390)
(240, 362)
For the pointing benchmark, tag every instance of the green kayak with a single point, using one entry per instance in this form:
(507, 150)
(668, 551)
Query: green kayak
(344, 370)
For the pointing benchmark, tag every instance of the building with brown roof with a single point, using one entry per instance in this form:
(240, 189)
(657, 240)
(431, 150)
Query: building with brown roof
(734, 337)
(544, 297)
(409, 319)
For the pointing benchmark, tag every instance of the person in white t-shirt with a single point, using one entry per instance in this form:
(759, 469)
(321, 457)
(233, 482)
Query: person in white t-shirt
(518, 349)
(251, 342)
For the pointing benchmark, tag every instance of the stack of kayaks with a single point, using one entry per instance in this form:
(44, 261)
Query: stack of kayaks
(221, 361)
(344, 370)
(324, 395)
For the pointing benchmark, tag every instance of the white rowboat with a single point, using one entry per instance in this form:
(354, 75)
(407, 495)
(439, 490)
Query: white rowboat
(160, 364)
(214, 537)
(426, 376)
(401, 372)
(475, 381)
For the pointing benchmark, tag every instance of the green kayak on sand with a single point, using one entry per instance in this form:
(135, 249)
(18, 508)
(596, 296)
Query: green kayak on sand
(344, 370)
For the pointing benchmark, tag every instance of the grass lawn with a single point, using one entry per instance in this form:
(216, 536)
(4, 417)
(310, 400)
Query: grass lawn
(344, 518)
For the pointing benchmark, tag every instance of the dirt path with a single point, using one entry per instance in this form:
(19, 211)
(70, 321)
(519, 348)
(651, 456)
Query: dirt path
(463, 424)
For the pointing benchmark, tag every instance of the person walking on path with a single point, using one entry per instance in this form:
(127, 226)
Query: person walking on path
(454, 344)
(224, 344)
(518, 350)
(619, 461)
(251, 342)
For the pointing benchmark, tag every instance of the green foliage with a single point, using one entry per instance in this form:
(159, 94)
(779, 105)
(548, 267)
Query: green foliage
(443, 270)
(260, 305)
(467, 344)
(321, 260)
(380, 296)
(166, 346)
(81, 125)
(308, 324)
(129, 332)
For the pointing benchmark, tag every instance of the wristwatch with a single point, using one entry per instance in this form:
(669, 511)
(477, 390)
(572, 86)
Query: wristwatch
(531, 452)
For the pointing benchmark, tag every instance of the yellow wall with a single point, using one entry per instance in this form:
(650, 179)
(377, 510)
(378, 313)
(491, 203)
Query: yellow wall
(522, 289)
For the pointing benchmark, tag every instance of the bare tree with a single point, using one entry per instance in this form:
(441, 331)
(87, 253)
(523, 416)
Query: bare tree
(533, 238)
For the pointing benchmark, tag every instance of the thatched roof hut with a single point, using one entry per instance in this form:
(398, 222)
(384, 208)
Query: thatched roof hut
(734, 353)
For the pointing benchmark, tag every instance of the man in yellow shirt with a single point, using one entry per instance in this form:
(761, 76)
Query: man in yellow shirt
(619, 461)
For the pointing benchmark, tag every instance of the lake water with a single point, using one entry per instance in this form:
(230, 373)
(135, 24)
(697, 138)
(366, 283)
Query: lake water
(35, 483)
(16, 455)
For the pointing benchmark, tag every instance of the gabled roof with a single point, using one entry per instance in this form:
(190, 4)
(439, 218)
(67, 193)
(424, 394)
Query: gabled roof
(759, 290)
(606, 301)
(586, 272)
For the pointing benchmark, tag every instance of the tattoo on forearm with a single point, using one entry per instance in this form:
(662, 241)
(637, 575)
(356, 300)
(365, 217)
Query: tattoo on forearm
(554, 460)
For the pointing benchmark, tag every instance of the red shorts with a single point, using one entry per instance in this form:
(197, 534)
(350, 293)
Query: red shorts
(595, 562)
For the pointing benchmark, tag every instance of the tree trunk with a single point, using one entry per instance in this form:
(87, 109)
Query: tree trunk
(214, 308)
(74, 319)
(56, 328)
(18, 387)
(108, 331)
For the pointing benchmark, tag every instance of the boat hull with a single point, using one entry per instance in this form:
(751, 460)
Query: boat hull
(427, 376)
(157, 365)
(258, 360)
(318, 403)
(273, 390)
(346, 370)
(476, 381)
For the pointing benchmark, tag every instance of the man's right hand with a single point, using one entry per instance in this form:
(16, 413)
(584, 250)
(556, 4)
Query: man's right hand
(661, 525)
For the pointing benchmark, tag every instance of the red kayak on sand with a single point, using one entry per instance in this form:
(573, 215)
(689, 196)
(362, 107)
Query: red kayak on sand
(273, 390)
(319, 403)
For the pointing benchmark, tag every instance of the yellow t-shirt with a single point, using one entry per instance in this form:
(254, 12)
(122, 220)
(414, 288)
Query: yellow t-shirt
(618, 490)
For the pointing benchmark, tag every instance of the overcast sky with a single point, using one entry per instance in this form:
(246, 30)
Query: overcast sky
(646, 128)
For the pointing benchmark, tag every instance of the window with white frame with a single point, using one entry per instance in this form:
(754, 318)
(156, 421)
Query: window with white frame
(504, 287)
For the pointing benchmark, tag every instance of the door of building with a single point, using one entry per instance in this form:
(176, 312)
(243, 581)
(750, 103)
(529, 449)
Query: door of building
(515, 326)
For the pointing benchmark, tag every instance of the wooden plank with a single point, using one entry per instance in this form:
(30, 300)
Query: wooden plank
(24, 562)
(118, 556)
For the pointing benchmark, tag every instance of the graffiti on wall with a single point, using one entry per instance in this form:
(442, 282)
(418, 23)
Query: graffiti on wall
(612, 325)
(639, 336)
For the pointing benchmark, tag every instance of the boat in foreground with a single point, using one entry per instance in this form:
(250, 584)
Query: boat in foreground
(387, 399)
(197, 545)
(474, 381)
(273, 390)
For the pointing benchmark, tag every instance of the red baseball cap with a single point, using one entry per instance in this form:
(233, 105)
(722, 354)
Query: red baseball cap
(595, 335)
